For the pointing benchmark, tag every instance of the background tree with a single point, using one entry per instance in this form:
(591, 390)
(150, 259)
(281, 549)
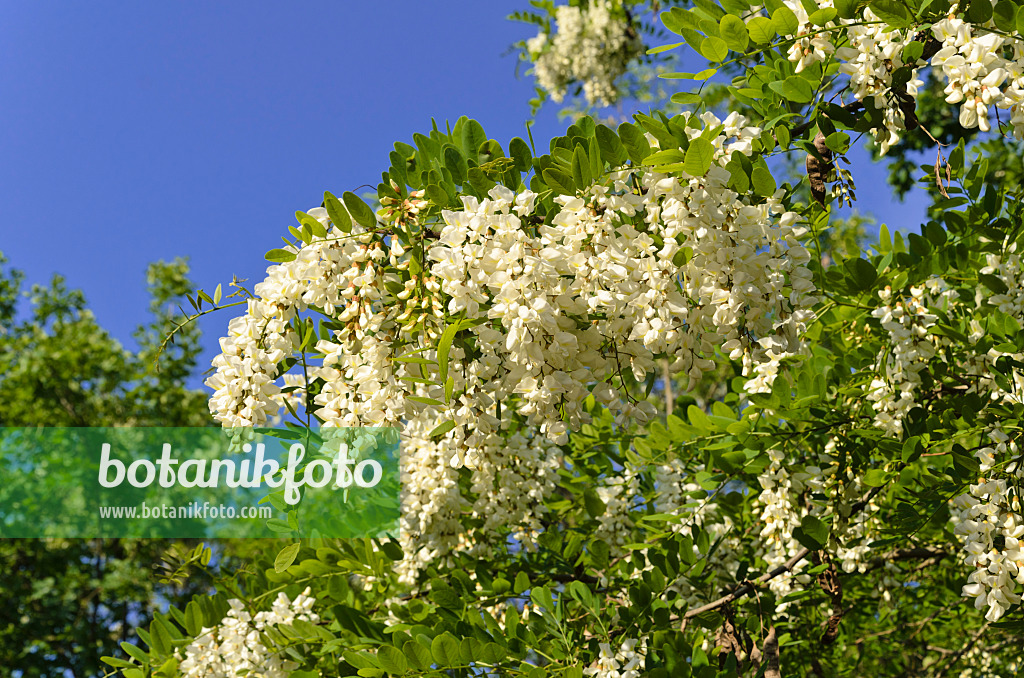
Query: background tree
(65, 603)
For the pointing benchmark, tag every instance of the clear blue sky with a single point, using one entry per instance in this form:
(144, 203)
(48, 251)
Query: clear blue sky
(137, 131)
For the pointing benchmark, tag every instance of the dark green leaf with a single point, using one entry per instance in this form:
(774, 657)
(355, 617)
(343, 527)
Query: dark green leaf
(359, 210)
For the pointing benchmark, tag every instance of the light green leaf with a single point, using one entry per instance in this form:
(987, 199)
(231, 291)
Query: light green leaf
(280, 256)
(822, 16)
(445, 650)
(875, 477)
(761, 30)
(763, 182)
(699, 156)
(664, 48)
(441, 429)
(734, 32)
(714, 49)
(425, 401)
(785, 21)
(286, 557)
(392, 660)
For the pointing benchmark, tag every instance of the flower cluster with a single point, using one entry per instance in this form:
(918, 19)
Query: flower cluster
(236, 645)
(618, 493)
(892, 392)
(977, 75)
(982, 68)
(780, 515)
(989, 520)
(625, 662)
(591, 45)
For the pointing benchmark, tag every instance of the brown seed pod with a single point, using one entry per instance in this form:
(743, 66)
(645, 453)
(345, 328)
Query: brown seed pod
(819, 170)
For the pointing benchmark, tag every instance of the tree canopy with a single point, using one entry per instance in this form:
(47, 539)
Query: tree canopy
(660, 414)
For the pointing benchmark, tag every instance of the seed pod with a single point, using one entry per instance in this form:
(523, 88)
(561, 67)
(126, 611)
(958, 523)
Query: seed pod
(819, 170)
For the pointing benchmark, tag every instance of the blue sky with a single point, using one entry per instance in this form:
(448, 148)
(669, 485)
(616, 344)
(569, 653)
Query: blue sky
(132, 132)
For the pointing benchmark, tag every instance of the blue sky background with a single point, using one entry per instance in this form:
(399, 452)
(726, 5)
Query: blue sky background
(131, 132)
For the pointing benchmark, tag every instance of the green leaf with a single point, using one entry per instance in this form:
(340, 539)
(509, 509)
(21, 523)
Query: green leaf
(559, 181)
(522, 582)
(838, 141)
(763, 182)
(686, 98)
(425, 401)
(581, 168)
(445, 650)
(595, 507)
(441, 429)
(635, 142)
(714, 49)
(847, 9)
(794, 88)
(612, 150)
(979, 11)
(392, 660)
(734, 32)
(812, 533)
(875, 477)
(359, 210)
(1020, 19)
(521, 156)
(337, 212)
(678, 19)
(699, 156)
(161, 639)
(418, 656)
(280, 256)
(913, 51)
(682, 257)
(782, 136)
(863, 274)
(314, 225)
(1006, 15)
(784, 21)
(193, 618)
(455, 163)
(761, 30)
(822, 16)
(286, 557)
(664, 48)
(135, 652)
(473, 138)
(895, 13)
(596, 162)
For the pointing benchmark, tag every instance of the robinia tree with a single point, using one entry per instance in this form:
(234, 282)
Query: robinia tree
(653, 422)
